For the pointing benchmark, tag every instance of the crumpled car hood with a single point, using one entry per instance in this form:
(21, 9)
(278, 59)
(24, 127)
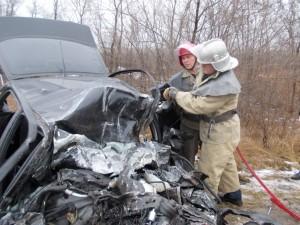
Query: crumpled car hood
(110, 159)
(103, 109)
(136, 185)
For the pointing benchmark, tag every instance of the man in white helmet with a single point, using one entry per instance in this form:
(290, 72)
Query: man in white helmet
(214, 99)
(184, 81)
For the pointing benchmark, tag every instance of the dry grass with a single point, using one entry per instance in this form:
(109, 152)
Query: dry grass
(279, 150)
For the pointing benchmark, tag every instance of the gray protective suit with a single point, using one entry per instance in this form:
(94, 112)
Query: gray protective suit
(189, 123)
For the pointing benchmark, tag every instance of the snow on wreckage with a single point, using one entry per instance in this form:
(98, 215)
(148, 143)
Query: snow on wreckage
(69, 148)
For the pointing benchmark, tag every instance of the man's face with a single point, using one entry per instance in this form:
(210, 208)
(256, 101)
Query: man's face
(208, 69)
(188, 61)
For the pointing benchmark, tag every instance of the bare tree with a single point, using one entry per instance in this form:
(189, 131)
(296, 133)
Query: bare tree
(55, 9)
(10, 8)
(115, 47)
(34, 9)
(81, 7)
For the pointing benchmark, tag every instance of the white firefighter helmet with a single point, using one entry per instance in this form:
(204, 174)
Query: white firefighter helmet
(214, 52)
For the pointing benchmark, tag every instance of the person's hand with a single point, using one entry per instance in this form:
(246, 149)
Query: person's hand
(166, 94)
(170, 93)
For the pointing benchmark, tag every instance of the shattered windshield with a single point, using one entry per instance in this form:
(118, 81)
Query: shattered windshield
(40, 56)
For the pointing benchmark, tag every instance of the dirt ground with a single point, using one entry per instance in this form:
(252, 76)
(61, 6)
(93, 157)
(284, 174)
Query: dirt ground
(275, 170)
(255, 199)
(283, 186)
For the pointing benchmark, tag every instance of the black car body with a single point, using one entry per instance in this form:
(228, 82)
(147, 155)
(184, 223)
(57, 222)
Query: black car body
(70, 151)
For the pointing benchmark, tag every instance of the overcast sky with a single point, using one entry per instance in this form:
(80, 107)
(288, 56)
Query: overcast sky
(66, 10)
(45, 9)
(25, 6)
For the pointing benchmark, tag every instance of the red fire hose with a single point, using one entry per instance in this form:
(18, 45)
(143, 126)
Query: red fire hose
(273, 198)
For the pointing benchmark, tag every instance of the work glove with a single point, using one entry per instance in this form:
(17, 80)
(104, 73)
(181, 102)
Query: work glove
(170, 93)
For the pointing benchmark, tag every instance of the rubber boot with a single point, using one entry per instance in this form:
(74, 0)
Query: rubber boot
(233, 198)
(296, 176)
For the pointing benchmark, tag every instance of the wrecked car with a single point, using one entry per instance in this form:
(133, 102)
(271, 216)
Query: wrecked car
(70, 146)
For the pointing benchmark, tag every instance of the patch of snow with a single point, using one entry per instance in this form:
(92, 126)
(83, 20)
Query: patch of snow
(291, 163)
(276, 180)
(264, 172)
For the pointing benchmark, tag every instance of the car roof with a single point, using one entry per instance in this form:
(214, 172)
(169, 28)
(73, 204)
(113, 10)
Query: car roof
(20, 27)
(65, 47)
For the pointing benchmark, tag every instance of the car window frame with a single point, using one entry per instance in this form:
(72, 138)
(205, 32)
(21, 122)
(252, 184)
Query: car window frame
(7, 165)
